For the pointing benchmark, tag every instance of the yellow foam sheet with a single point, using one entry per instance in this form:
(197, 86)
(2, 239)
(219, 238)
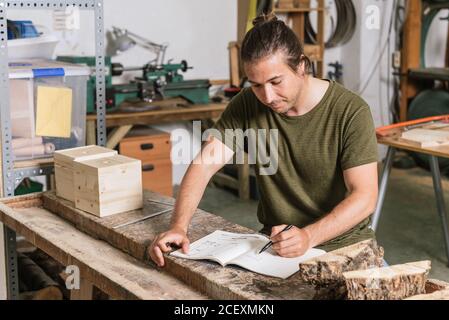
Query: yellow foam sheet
(53, 111)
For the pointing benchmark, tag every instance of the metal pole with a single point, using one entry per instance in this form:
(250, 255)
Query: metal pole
(383, 187)
(441, 205)
(8, 181)
(100, 73)
(11, 263)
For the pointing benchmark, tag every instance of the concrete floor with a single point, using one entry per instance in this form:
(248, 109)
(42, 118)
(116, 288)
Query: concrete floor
(409, 227)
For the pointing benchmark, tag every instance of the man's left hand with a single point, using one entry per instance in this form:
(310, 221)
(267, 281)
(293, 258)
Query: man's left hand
(290, 244)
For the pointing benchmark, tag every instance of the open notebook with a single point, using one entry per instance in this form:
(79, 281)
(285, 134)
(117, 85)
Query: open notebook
(243, 250)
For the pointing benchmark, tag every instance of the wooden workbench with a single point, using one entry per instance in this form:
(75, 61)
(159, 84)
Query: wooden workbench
(167, 114)
(121, 275)
(109, 269)
(174, 110)
(392, 140)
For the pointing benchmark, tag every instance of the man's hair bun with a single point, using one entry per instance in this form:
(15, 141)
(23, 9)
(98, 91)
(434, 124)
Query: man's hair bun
(264, 18)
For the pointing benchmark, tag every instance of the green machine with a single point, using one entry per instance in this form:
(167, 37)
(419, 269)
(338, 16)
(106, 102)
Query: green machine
(174, 85)
(158, 80)
(156, 83)
(90, 61)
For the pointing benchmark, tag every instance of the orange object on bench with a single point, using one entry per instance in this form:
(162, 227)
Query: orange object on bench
(384, 131)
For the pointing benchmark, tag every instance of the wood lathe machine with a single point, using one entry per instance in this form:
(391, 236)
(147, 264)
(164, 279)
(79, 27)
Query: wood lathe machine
(158, 80)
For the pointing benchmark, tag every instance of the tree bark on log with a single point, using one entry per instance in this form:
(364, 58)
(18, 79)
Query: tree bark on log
(433, 285)
(388, 283)
(435, 290)
(328, 268)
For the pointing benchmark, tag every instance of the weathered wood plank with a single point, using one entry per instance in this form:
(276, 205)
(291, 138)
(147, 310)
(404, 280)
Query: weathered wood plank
(166, 114)
(85, 291)
(126, 239)
(210, 278)
(109, 269)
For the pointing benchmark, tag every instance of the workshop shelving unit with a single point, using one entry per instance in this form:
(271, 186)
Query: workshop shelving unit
(298, 18)
(413, 69)
(14, 172)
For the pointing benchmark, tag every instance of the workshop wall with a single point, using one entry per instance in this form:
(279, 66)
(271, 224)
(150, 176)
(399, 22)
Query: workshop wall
(197, 31)
(367, 57)
(202, 40)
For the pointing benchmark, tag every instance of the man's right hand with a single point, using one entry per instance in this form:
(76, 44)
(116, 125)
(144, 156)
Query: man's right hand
(161, 244)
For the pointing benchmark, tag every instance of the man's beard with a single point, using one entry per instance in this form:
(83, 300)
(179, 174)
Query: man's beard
(290, 105)
(285, 110)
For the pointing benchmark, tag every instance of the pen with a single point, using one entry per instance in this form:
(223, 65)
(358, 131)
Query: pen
(269, 244)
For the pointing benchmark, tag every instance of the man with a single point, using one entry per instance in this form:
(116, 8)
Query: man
(325, 182)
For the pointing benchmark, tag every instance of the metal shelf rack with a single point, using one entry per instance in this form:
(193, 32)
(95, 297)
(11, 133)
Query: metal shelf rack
(10, 173)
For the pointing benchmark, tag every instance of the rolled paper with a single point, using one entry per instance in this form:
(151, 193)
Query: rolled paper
(25, 142)
(36, 150)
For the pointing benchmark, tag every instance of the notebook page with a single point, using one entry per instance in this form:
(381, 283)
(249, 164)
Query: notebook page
(270, 264)
(221, 245)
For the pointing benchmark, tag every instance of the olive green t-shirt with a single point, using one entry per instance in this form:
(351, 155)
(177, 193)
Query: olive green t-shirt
(306, 182)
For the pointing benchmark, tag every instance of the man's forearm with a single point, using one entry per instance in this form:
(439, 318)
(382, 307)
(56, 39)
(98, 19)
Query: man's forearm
(345, 216)
(214, 155)
(190, 193)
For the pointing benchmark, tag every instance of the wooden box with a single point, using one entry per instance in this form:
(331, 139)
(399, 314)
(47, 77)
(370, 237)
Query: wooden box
(64, 160)
(107, 186)
(153, 148)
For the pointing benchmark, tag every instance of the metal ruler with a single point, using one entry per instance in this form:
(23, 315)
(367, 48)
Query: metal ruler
(149, 216)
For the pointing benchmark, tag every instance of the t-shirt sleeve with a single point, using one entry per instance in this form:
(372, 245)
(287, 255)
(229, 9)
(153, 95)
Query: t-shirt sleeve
(359, 140)
(232, 123)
